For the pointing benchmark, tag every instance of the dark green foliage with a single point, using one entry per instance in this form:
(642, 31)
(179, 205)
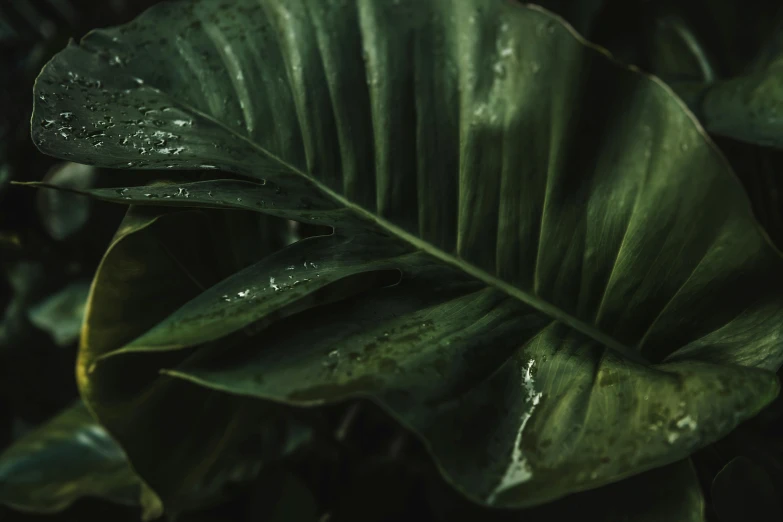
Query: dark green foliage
(387, 259)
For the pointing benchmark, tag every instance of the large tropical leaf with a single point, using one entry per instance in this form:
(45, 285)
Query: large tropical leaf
(70, 457)
(585, 293)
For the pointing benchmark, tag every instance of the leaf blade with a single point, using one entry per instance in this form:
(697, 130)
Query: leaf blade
(69, 457)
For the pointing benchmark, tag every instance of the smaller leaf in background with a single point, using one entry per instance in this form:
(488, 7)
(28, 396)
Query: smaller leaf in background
(69, 457)
(748, 107)
(744, 491)
(61, 314)
(62, 213)
(24, 280)
(675, 52)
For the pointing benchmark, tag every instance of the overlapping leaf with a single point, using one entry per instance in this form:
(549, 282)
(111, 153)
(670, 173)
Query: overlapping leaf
(187, 442)
(602, 227)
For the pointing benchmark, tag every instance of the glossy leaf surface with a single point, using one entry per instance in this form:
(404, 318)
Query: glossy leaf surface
(187, 442)
(612, 288)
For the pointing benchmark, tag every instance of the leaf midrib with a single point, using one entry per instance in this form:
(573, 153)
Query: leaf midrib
(419, 244)
(530, 299)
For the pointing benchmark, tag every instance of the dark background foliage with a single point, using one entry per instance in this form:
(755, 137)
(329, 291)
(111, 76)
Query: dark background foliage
(51, 243)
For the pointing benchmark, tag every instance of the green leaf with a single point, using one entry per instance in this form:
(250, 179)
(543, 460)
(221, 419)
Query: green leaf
(63, 214)
(217, 193)
(448, 360)
(676, 52)
(581, 15)
(61, 314)
(668, 493)
(67, 458)
(187, 442)
(279, 286)
(748, 107)
(610, 242)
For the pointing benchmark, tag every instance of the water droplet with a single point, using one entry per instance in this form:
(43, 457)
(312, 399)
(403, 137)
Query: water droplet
(183, 192)
(243, 293)
(67, 116)
(47, 123)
